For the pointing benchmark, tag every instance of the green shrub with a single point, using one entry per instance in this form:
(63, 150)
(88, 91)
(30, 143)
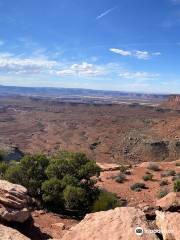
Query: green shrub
(74, 197)
(177, 186)
(168, 173)
(153, 166)
(120, 178)
(162, 193)
(53, 194)
(148, 177)
(2, 155)
(30, 172)
(66, 181)
(105, 201)
(163, 183)
(3, 169)
(138, 187)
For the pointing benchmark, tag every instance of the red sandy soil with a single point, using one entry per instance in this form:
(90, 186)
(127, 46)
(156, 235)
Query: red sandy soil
(146, 196)
(44, 221)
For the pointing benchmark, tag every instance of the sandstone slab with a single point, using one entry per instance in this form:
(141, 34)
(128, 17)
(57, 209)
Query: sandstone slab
(7, 233)
(13, 202)
(168, 223)
(116, 224)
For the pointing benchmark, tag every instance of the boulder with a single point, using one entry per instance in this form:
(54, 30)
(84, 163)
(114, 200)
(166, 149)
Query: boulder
(13, 202)
(168, 223)
(116, 224)
(170, 201)
(108, 167)
(7, 233)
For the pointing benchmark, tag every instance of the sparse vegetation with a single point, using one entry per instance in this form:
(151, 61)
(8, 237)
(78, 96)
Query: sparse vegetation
(162, 193)
(168, 173)
(163, 183)
(106, 201)
(148, 177)
(3, 169)
(120, 178)
(2, 153)
(177, 185)
(137, 187)
(124, 168)
(178, 164)
(153, 166)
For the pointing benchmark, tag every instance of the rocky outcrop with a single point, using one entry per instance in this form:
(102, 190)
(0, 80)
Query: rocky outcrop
(169, 202)
(7, 233)
(13, 202)
(116, 224)
(174, 99)
(168, 223)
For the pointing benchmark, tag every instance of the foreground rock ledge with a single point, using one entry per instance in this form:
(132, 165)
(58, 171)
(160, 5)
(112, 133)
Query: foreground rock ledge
(169, 224)
(13, 202)
(116, 224)
(7, 233)
(170, 201)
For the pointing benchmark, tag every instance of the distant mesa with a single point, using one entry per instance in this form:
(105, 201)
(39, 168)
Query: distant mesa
(173, 101)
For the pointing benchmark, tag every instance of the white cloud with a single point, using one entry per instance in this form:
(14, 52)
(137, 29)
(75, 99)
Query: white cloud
(10, 63)
(138, 75)
(120, 51)
(83, 69)
(135, 53)
(105, 13)
(142, 54)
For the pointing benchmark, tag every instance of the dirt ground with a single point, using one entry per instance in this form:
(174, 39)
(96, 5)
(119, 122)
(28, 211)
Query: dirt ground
(106, 133)
(146, 196)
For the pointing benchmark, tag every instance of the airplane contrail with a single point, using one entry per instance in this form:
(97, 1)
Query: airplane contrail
(105, 13)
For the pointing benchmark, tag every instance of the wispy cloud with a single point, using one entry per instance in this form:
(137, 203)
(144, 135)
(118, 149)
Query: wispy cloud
(175, 1)
(103, 14)
(83, 69)
(20, 65)
(138, 75)
(135, 53)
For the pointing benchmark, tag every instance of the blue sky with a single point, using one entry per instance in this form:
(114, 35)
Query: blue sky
(129, 45)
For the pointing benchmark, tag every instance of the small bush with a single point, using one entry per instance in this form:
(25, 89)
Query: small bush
(153, 166)
(3, 169)
(105, 201)
(120, 178)
(168, 173)
(138, 187)
(162, 193)
(163, 183)
(125, 169)
(2, 155)
(177, 186)
(148, 177)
